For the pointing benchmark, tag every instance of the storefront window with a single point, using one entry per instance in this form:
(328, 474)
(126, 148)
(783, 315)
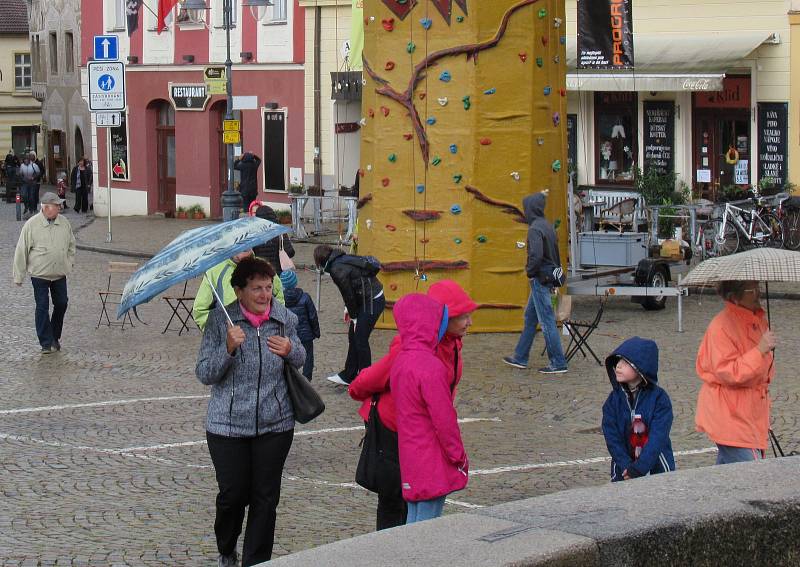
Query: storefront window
(615, 137)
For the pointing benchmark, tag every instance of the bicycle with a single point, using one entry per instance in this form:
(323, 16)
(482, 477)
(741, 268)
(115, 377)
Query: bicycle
(790, 219)
(739, 224)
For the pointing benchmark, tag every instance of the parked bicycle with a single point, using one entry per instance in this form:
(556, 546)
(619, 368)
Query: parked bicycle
(790, 219)
(741, 227)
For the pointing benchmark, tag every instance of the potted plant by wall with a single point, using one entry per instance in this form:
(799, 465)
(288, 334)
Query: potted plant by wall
(296, 188)
(314, 191)
(196, 212)
(181, 213)
(284, 216)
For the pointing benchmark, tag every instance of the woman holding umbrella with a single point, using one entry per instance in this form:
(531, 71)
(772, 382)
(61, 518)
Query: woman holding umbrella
(735, 363)
(250, 421)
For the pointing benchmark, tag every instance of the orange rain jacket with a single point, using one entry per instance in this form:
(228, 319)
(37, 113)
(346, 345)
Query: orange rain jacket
(733, 403)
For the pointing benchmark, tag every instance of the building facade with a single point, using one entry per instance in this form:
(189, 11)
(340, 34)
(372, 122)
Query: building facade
(169, 150)
(711, 98)
(20, 112)
(55, 31)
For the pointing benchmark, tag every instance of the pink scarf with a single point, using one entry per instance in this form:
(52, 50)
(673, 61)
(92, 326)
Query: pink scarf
(255, 320)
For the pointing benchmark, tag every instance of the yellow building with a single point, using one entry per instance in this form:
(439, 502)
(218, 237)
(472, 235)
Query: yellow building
(20, 113)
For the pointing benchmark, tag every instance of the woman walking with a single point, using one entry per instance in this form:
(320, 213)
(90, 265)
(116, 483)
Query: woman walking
(250, 421)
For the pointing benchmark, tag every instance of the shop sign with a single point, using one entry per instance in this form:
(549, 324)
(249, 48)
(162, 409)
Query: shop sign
(605, 34)
(572, 143)
(189, 96)
(773, 128)
(659, 136)
(216, 80)
(735, 93)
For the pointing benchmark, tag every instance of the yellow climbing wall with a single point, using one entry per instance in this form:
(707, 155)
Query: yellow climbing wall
(464, 112)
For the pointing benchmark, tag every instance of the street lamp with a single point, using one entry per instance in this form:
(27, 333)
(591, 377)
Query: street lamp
(231, 200)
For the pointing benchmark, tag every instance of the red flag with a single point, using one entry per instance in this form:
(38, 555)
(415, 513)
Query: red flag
(164, 8)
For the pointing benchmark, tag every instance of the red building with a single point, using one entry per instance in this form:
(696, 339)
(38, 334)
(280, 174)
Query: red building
(169, 150)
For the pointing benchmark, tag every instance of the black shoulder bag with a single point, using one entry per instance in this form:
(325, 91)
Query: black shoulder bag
(306, 402)
(378, 467)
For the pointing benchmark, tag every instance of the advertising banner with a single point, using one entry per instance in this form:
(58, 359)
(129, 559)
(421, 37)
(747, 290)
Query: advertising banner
(773, 133)
(659, 136)
(605, 34)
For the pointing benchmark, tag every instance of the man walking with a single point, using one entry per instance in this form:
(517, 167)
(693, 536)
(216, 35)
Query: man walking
(29, 173)
(46, 250)
(247, 166)
(543, 268)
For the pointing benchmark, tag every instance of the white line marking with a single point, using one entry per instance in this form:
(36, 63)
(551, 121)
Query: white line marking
(98, 404)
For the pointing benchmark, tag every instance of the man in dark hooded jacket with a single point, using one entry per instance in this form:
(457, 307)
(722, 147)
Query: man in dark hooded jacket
(270, 250)
(248, 183)
(544, 272)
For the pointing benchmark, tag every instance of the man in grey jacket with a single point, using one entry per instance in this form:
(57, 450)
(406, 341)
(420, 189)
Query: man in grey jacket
(46, 250)
(543, 268)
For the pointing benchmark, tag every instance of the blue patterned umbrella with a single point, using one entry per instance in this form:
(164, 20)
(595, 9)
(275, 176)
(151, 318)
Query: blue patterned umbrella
(193, 253)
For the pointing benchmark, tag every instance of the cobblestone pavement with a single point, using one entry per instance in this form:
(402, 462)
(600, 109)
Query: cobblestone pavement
(102, 451)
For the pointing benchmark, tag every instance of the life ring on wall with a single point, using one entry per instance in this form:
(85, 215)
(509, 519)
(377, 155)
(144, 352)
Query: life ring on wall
(732, 156)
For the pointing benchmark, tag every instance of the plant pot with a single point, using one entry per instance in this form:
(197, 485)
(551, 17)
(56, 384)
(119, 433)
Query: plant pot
(198, 216)
(181, 215)
(315, 192)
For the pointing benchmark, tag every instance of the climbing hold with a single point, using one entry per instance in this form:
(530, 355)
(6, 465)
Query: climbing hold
(393, 287)
(371, 113)
(459, 19)
(372, 18)
(540, 141)
(436, 160)
(426, 23)
(368, 222)
(410, 47)
(486, 141)
(455, 209)
(557, 165)
(542, 13)
(556, 119)
(457, 178)
(391, 227)
(466, 102)
(453, 148)
(389, 66)
(457, 240)
(515, 175)
(556, 59)
(431, 120)
(388, 24)
(442, 101)
(547, 91)
(563, 92)
(363, 122)
(392, 158)
(523, 56)
(563, 40)
(557, 22)
(385, 110)
(408, 136)
(422, 95)
(420, 188)
(490, 91)
(539, 62)
(361, 173)
(369, 167)
(385, 181)
(545, 39)
(520, 245)
(445, 76)
(424, 277)
(482, 239)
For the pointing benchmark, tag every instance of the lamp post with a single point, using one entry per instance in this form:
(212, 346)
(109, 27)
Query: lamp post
(231, 199)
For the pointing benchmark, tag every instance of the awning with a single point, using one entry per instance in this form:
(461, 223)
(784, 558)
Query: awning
(672, 62)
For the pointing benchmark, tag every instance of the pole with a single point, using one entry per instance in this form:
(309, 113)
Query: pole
(108, 179)
(231, 200)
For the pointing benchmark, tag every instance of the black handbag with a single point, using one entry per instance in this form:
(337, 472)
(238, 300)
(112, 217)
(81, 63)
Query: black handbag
(378, 467)
(306, 402)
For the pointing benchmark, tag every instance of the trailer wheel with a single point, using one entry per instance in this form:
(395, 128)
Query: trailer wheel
(657, 278)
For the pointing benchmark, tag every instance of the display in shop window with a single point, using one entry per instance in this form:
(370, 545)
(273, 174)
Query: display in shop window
(118, 138)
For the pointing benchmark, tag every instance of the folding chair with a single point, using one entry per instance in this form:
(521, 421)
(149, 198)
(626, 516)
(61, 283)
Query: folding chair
(580, 331)
(112, 297)
(181, 310)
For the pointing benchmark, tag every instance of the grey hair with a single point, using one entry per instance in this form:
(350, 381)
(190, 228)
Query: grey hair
(731, 290)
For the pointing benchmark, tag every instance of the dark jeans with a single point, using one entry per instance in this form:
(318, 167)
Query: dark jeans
(81, 200)
(48, 328)
(248, 473)
(29, 196)
(359, 355)
(308, 367)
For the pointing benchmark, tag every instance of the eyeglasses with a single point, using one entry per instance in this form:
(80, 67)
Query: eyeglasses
(756, 290)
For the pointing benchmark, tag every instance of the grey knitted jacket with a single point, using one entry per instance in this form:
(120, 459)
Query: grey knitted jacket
(248, 390)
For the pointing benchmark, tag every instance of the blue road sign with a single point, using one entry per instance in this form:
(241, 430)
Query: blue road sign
(106, 48)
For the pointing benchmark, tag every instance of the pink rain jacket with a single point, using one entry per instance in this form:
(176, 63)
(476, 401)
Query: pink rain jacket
(433, 461)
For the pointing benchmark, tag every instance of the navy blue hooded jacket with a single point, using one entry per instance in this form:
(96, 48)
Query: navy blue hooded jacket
(650, 401)
(300, 303)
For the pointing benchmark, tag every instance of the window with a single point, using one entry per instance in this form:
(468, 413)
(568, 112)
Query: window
(279, 11)
(22, 71)
(69, 53)
(36, 58)
(190, 16)
(53, 53)
(116, 14)
(615, 137)
(219, 15)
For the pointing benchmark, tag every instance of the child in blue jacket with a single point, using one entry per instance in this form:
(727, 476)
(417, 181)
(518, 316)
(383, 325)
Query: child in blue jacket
(300, 303)
(633, 371)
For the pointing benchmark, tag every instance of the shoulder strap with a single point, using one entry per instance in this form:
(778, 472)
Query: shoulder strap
(220, 279)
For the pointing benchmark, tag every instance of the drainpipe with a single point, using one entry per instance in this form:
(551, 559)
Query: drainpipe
(317, 97)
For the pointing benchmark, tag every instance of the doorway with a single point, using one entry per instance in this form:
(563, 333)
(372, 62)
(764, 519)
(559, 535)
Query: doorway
(57, 154)
(721, 141)
(78, 145)
(165, 159)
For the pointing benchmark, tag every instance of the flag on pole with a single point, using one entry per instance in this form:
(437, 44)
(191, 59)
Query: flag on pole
(132, 12)
(164, 8)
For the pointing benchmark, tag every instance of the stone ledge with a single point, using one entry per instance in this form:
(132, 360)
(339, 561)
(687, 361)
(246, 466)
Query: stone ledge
(743, 514)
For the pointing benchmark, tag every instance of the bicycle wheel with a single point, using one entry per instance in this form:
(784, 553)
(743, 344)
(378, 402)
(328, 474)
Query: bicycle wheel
(791, 230)
(774, 238)
(716, 244)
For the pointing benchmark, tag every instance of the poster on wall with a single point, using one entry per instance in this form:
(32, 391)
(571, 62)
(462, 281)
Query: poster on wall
(773, 128)
(118, 136)
(605, 34)
(572, 144)
(659, 137)
(275, 150)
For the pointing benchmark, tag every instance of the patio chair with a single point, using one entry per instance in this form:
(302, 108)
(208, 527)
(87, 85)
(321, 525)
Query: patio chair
(580, 331)
(112, 296)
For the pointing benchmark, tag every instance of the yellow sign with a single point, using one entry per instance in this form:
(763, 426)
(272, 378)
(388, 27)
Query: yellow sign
(215, 80)
(231, 137)
(231, 125)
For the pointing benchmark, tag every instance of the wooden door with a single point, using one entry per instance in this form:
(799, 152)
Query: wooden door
(166, 170)
(57, 154)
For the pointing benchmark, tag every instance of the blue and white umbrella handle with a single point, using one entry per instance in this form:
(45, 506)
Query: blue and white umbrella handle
(219, 299)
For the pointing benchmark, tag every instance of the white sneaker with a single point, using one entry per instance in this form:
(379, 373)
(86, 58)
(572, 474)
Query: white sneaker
(336, 379)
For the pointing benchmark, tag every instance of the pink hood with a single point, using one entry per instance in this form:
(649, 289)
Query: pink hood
(433, 461)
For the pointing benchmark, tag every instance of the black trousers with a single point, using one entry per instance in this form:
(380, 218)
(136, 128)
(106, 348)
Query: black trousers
(308, 366)
(392, 509)
(248, 473)
(359, 355)
(81, 200)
